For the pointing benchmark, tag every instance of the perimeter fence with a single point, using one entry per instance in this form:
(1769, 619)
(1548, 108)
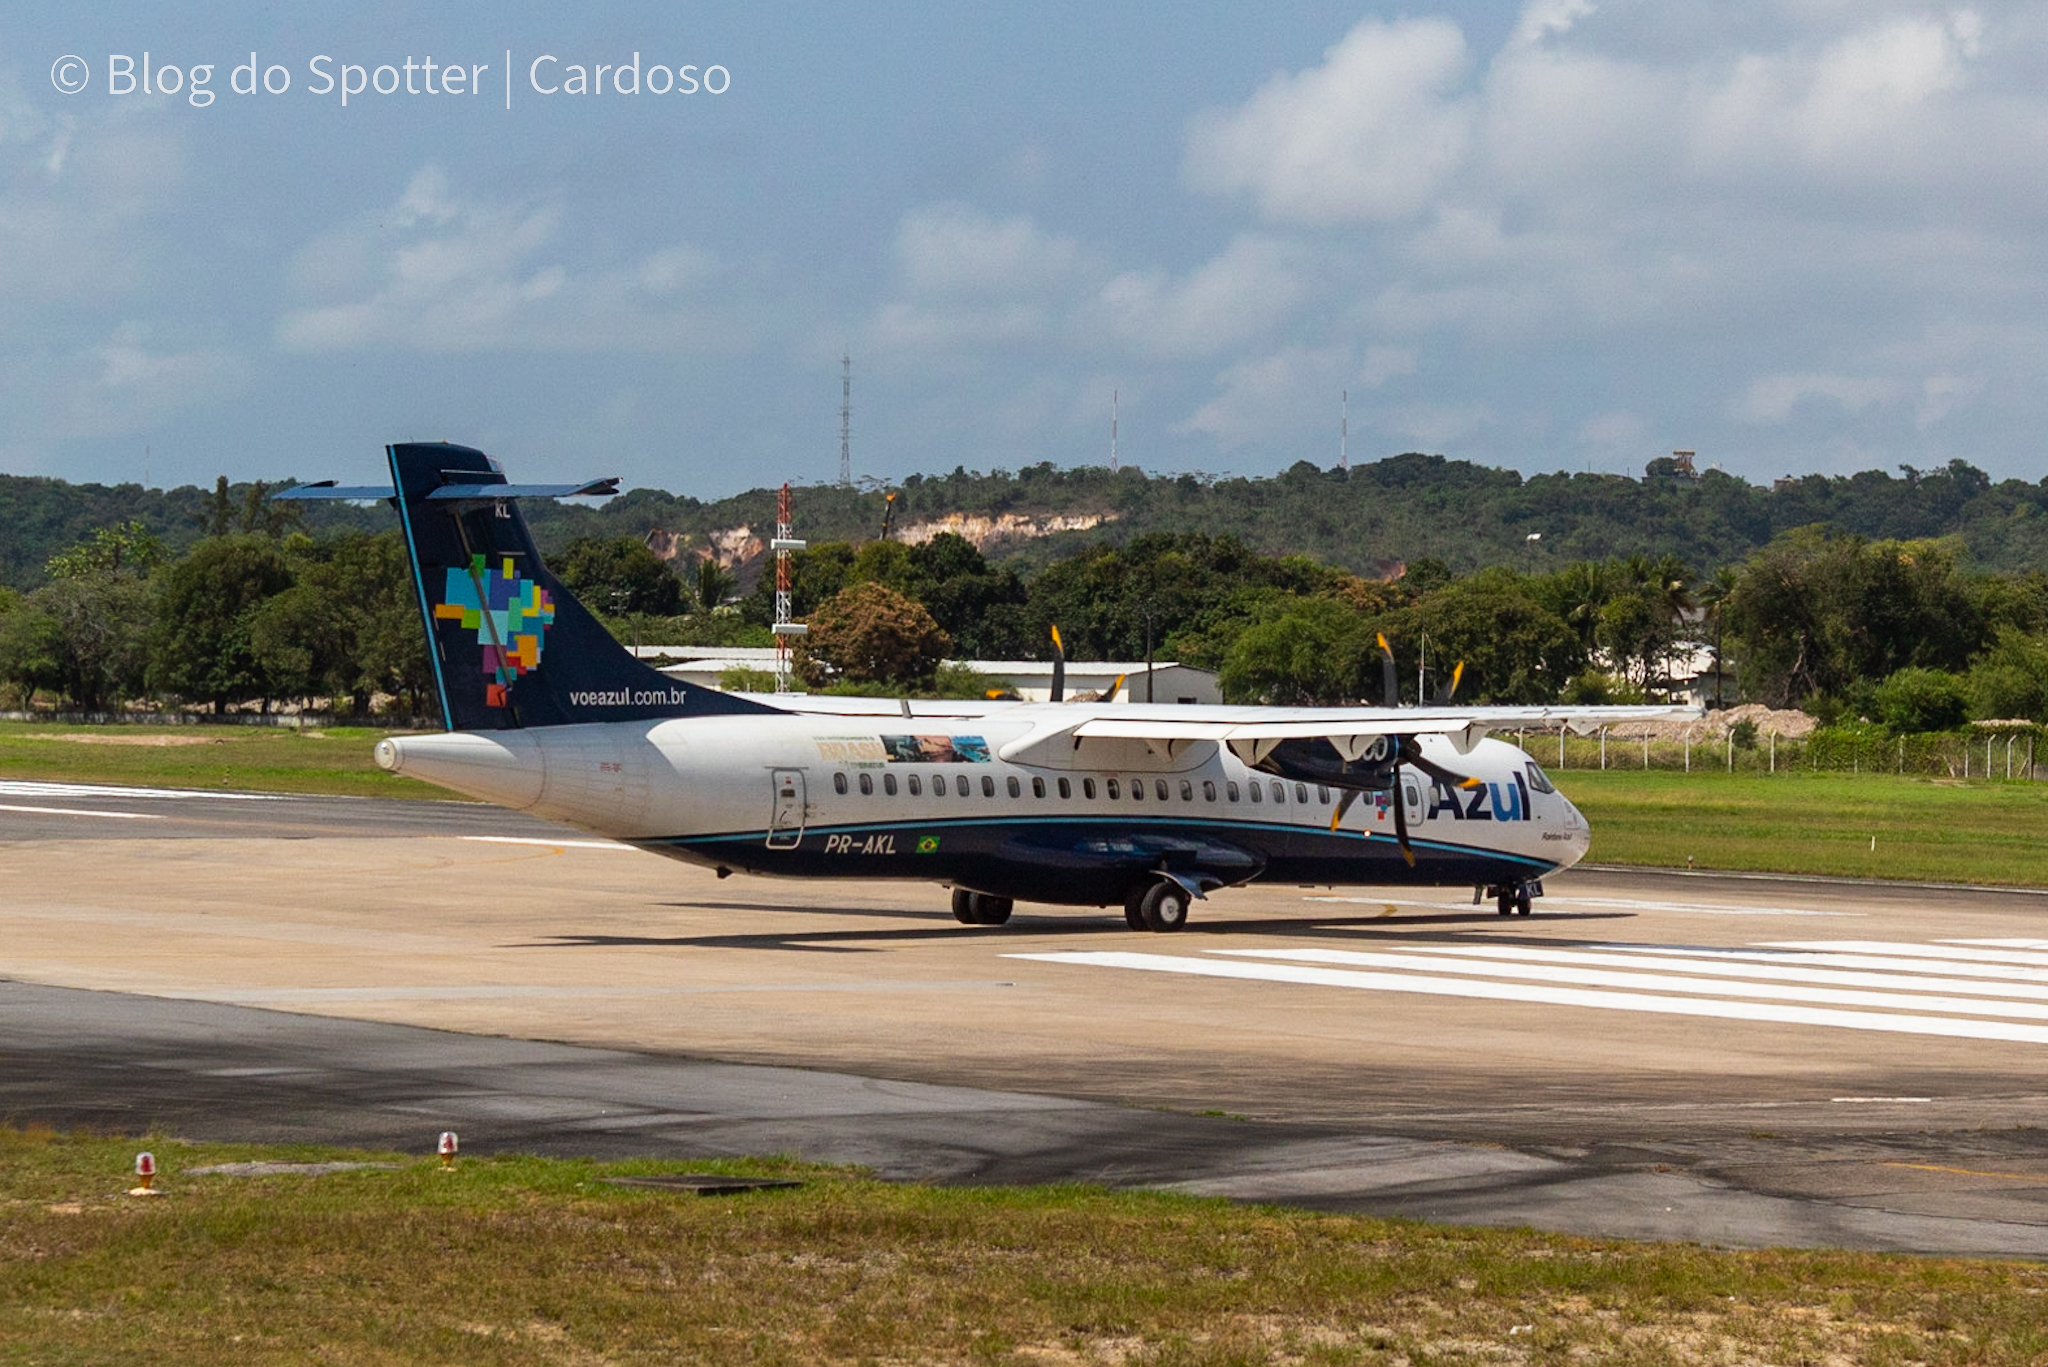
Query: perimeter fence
(2003, 753)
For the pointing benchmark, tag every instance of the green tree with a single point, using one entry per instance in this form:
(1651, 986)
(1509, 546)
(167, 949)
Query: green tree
(871, 634)
(2010, 680)
(83, 639)
(714, 584)
(205, 603)
(1515, 649)
(1917, 699)
(1312, 655)
(348, 628)
(618, 576)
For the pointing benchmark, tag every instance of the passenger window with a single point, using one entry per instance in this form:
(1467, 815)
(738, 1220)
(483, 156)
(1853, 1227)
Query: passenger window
(1208, 790)
(889, 784)
(1137, 790)
(916, 787)
(1301, 793)
(1322, 795)
(1087, 788)
(1037, 787)
(1187, 791)
(1230, 790)
(867, 785)
(938, 785)
(1159, 787)
(963, 785)
(1256, 790)
(1016, 788)
(1066, 788)
(1113, 793)
(988, 785)
(1279, 791)
(839, 784)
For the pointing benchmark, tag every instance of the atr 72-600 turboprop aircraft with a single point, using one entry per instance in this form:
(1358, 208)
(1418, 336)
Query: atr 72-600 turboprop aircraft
(1086, 804)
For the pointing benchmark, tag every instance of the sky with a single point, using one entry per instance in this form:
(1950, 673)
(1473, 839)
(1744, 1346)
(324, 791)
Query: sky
(1792, 235)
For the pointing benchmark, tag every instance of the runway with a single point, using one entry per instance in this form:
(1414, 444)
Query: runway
(1737, 1060)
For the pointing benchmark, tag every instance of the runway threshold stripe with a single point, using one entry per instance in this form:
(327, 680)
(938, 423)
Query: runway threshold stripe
(1824, 977)
(81, 811)
(1698, 1007)
(1653, 982)
(1890, 963)
(1958, 953)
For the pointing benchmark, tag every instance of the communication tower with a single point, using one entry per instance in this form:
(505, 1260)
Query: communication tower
(845, 419)
(1112, 430)
(1344, 435)
(784, 628)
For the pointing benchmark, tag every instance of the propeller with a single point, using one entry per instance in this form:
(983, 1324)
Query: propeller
(1059, 666)
(1407, 750)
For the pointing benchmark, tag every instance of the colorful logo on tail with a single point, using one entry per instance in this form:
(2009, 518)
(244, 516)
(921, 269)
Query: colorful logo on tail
(509, 615)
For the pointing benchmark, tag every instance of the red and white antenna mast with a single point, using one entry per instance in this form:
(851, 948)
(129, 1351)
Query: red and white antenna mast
(784, 628)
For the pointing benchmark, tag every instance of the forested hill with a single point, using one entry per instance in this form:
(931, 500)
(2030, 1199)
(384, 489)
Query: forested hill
(1370, 520)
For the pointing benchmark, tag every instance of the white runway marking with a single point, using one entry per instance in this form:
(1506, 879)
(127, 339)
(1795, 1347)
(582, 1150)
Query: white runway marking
(1925, 993)
(1594, 904)
(23, 788)
(80, 811)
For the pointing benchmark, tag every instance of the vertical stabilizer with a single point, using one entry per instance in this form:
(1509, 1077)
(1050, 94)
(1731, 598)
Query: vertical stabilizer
(510, 646)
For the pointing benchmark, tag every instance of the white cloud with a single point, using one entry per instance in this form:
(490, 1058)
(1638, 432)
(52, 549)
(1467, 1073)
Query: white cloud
(1239, 295)
(440, 273)
(1371, 135)
(1383, 363)
(1771, 398)
(951, 249)
(1268, 396)
(1613, 431)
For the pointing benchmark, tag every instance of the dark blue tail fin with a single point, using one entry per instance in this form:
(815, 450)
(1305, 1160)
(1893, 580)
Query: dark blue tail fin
(510, 646)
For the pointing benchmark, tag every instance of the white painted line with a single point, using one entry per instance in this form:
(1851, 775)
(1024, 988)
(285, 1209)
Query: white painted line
(1687, 908)
(1656, 982)
(1881, 962)
(1873, 1100)
(24, 788)
(1676, 963)
(1999, 944)
(1911, 951)
(556, 844)
(81, 811)
(1308, 975)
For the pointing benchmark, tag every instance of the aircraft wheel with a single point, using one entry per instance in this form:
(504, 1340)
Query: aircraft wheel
(992, 911)
(1504, 904)
(963, 907)
(1134, 909)
(1165, 906)
(1522, 907)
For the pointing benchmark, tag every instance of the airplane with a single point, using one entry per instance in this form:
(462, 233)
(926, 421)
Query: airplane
(1099, 804)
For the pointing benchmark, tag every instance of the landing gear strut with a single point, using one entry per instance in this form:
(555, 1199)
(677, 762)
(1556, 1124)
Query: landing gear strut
(980, 909)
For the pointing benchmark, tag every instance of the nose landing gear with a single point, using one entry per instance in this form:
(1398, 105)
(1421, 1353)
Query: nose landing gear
(1510, 899)
(980, 909)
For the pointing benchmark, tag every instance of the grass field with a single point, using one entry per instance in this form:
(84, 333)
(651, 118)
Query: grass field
(1945, 830)
(251, 758)
(523, 1260)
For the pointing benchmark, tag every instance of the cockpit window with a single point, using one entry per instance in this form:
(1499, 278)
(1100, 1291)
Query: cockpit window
(1537, 780)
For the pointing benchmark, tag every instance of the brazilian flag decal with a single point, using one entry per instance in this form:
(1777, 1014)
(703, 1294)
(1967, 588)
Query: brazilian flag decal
(927, 844)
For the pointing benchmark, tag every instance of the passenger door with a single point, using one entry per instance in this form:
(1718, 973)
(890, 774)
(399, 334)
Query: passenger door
(786, 819)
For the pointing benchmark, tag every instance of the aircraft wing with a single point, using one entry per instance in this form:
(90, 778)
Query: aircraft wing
(1252, 732)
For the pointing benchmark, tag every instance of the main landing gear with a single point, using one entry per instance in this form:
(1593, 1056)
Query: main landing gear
(1511, 899)
(1158, 906)
(980, 909)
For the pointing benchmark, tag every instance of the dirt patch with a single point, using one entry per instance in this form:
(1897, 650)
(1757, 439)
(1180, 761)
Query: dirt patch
(160, 741)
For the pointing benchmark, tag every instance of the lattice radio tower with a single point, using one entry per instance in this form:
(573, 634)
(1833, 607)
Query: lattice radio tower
(845, 420)
(785, 541)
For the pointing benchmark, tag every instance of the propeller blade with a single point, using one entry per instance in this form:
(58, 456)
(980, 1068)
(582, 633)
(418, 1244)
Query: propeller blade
(1441, 774)
(1344, 802)
(1059, 666)
(1401, 820)
(1443, 695)
(1390, 680)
